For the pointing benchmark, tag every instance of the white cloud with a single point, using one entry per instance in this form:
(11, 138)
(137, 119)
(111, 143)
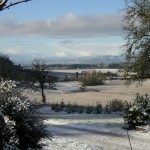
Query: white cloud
(85, 53)
(18, 51)
(68, 25)
(60, 54)
(12, 51)
(88, 49)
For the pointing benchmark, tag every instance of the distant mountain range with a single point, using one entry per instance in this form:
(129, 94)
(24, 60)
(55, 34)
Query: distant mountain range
(106, 59)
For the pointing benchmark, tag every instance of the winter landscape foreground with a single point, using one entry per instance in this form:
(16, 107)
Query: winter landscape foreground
(91, 131)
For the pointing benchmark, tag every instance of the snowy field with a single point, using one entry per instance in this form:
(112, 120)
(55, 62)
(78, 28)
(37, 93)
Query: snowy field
(91, 132)
(112, 89)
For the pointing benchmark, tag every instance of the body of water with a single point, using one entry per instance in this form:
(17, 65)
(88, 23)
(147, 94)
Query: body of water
(67, 86)
(80, 70)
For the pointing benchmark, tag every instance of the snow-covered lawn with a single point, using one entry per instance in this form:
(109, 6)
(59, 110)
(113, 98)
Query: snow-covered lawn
(91, 132)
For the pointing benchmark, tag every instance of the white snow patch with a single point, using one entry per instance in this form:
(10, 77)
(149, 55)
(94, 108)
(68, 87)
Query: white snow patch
(91, 132)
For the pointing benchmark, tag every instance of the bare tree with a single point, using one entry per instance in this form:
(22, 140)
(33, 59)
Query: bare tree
(39, 68)
(6, 4)
(137, 27)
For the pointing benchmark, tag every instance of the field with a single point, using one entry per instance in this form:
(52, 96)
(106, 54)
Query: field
(90, 131)
(112, 89)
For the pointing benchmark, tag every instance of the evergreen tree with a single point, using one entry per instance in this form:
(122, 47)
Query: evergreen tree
(23, 127)
(139, 112)
(6, 67)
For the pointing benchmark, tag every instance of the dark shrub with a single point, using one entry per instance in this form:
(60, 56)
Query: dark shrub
(107, 109)
(89, 109)
(93, 78)
(116, 105)
(98, 108)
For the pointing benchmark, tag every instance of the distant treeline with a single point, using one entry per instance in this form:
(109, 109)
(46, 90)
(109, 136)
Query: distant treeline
(11, 71)
(86, 66)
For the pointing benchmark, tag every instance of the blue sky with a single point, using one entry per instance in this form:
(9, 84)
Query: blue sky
(61, 28)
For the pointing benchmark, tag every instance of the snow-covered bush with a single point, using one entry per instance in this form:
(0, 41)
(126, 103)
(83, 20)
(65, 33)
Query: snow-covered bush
(139, 112)
(23, 128)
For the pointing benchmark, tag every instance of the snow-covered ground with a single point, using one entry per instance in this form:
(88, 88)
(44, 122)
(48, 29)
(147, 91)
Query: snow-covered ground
(91, 132)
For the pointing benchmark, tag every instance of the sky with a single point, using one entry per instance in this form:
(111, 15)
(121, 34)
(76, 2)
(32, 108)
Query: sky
(47, 29)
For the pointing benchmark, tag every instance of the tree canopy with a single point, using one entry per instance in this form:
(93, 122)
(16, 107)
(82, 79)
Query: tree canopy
(6, 67)
(137, 27)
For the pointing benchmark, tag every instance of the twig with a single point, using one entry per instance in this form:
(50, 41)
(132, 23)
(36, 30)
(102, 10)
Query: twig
(12, 4)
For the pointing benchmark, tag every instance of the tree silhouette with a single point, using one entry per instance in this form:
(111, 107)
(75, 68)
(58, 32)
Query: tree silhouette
(39, 68)
(137, 28)
(6, 4)
(6, 67)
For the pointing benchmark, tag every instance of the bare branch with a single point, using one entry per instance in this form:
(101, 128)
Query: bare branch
(4, 5)
(137, 27)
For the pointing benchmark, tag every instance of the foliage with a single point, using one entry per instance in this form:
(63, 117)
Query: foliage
(6, 67)
(8, 70)
(107, 109)
(139, 112)
(23, 127)
(112, 106)
(137, 28)
(98, 108)
(89, 109)
(117, 105)
(93, 78)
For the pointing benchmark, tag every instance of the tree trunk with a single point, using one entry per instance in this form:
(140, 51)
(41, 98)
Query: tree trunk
(49, 85)
(43, 95)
